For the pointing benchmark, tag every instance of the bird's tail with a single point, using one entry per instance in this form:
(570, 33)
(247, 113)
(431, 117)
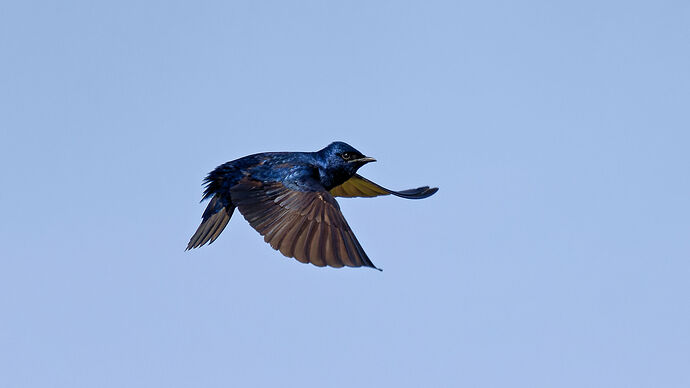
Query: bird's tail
(214, 220)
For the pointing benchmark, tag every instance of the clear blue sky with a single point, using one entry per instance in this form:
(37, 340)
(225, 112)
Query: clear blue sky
(556, 254)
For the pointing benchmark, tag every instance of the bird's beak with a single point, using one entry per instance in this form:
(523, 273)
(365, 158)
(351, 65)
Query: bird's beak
(365, 159)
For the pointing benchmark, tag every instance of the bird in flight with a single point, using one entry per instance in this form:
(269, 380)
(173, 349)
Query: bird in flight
(289, 198)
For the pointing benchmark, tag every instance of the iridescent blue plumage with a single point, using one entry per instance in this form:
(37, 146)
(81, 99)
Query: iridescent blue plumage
(288, 197)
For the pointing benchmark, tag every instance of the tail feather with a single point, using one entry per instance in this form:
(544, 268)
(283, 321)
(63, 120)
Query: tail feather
(213, 222)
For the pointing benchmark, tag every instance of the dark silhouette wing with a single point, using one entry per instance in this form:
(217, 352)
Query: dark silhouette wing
(306, 225)
(358, 186)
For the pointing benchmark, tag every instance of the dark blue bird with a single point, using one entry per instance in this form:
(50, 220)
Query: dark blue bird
(288, 197)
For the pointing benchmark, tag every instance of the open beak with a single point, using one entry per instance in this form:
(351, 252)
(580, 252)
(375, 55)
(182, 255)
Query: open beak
(365, 159)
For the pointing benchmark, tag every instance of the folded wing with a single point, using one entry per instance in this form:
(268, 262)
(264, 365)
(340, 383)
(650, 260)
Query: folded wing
(358, 186)
(306, 225)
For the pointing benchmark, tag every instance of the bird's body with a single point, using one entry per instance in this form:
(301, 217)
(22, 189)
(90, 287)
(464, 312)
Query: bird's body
(288, 197)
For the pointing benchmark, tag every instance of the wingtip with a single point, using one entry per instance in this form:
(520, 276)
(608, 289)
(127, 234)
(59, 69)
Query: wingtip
(372, 266)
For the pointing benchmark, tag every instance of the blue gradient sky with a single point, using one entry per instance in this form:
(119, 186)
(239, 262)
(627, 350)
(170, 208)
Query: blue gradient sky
(556, 253)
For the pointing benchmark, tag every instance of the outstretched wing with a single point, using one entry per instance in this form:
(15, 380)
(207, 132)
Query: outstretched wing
(306, 225)
(358, 186)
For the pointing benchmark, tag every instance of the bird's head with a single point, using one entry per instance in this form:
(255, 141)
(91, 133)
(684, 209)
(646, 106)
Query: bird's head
(340, 162)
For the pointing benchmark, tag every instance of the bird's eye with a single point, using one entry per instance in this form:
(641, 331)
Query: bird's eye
(347, 155)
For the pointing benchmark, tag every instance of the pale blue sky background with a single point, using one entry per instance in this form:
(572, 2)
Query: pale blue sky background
(556, 253)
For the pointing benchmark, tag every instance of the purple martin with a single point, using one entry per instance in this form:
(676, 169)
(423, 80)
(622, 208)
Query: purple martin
(289, 198)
